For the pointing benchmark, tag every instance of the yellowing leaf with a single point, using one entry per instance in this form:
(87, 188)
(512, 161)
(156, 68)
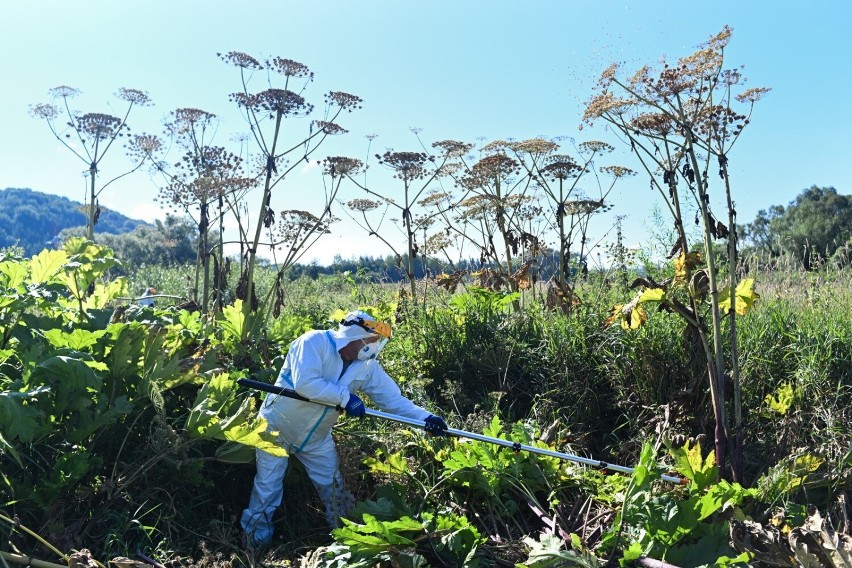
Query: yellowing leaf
(745, 297)
(652, 295)
(684, 264)
(782, 400)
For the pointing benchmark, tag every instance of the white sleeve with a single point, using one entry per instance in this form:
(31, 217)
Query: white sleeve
(306, 371)
(386, 394)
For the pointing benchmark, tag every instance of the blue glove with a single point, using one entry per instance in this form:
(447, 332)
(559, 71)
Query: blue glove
(435, 425)
(355, 406)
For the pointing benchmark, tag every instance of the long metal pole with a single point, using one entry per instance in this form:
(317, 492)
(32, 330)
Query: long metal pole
(516, 446)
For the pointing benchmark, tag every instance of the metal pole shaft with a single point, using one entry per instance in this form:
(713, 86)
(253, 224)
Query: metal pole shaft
(516, 446)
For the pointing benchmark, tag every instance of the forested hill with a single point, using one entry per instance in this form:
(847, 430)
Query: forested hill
(31, 219)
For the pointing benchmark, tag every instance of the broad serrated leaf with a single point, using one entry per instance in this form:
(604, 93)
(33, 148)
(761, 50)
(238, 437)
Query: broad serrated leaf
(46, 265)
(12, 274)
(745, 297)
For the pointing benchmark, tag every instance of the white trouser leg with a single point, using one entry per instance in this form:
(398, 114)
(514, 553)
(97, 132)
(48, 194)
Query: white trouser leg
(322, 466)
(266, 495)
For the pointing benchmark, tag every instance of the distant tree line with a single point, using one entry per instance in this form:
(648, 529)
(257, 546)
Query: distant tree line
(814, 228)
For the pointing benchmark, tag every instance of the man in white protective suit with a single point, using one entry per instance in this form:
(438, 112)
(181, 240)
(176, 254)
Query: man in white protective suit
(327, 367)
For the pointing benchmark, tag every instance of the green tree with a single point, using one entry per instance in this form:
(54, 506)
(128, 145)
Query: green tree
(813, 226)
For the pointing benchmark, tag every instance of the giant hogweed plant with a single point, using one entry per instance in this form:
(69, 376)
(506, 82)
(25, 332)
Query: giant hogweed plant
(77, 378)
(90, 136)
(279, 153)
(681, 125)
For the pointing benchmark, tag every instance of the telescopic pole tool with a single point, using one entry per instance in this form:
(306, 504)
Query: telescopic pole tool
(516, 446)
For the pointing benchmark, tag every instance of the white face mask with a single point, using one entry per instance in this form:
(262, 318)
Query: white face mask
(371, 350)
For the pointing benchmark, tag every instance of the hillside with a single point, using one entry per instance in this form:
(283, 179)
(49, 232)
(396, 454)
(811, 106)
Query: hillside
(31, 219)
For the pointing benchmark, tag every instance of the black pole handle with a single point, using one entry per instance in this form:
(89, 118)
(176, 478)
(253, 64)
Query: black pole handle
(289, 393)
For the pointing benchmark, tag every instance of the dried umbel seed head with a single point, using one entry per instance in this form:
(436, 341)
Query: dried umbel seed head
(99, 126)
(752, 95)
(535, 146)
(363, 205)
(341, 166)
(134, 97)
(329, 128)
(407, 165)
(184, 120)
(240, 59)
(497, 146)
(436, 198)
(581, 207)
(563, 167)
(295, 226)
(618, 171)
(284, 101)
(44, 111)
(144, 146)
(596, 147)
(63, 92)
(604, 104)
(289, 68)
(452, 148)
(436, 243)
(343, 100)
(653, 123)
(497, 166)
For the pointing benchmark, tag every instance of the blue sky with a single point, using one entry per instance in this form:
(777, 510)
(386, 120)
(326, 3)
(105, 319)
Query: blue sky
(461, 69)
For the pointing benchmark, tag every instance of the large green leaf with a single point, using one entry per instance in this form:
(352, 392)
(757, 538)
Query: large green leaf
(18, 420)
(72, 380)
(218, 415)
(77, 339)
(46, 265)
(12, 274)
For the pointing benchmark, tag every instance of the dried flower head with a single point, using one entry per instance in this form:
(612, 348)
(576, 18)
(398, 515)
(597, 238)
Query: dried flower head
(343, 100)
(144, 146)
(604, 104)
(581, 207)
(289, 68)
(329, 128)
(490, 168)
(44, 111)
(63, 92)
(497, 146)
(719, 41)
(719, 123)
(595, 147)
(437, 242)
(240, 59)
(295, 226)
(99, 126)
(653, 123)
(452, 148)
(752, 95)
(448, 169)
(562, 167)
(535, 146)
(435, 198)
(184, 120)
(618, 171)
(134, 97)
(341, 166)
(281, 101)
(608, 75)
(407, 165)
(363, 205)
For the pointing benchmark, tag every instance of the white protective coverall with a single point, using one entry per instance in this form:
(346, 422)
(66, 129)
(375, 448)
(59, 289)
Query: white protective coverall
(315, 370)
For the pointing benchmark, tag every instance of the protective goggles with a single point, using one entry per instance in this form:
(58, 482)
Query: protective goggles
(380, 327)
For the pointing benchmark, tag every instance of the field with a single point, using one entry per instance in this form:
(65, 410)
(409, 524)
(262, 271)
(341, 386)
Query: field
(118, 425)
